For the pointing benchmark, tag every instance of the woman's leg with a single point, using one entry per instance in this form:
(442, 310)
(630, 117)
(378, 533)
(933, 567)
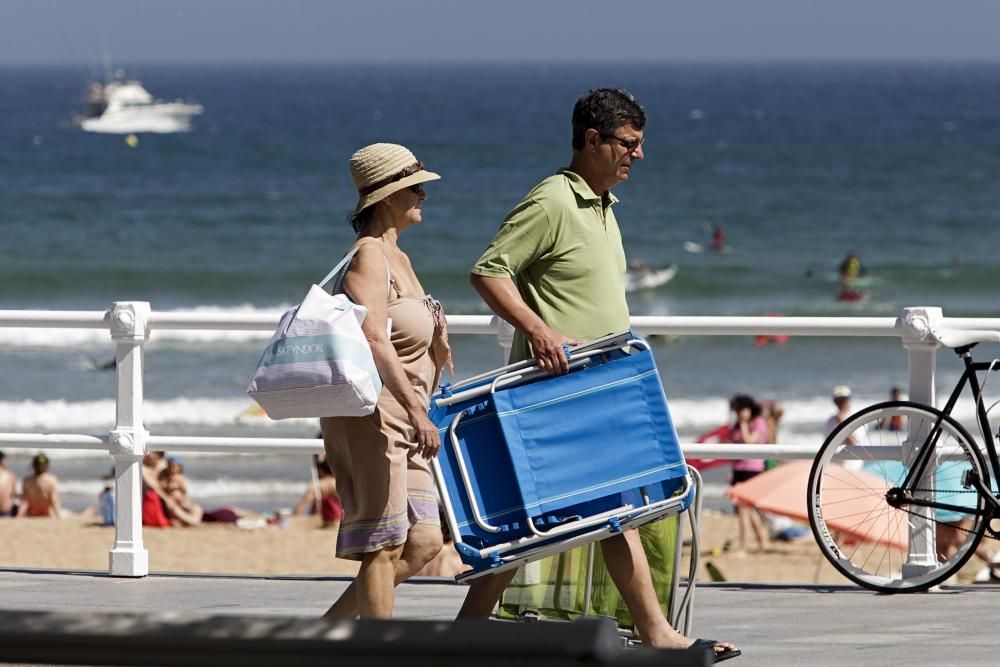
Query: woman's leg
(743, 516)
(372, 594)
(759, 529)
(423, 543)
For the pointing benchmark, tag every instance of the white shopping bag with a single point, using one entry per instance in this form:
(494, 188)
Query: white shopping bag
(318, 363)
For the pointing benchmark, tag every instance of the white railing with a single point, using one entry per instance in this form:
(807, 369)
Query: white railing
(130, 323)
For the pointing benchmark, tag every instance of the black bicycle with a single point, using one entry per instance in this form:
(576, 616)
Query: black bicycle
(899, 494)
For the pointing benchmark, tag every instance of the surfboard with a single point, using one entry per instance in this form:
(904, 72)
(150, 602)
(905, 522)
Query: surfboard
(636, 280)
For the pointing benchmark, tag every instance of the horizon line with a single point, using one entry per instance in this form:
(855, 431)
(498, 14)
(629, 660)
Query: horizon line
(526, 62)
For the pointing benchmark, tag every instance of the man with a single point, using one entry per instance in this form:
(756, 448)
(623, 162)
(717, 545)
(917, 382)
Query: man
(40, 492)
(8, 481)
(556, 272)
(841, 399)
(851, 267)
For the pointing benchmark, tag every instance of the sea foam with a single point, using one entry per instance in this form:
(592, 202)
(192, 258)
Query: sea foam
(61, 416)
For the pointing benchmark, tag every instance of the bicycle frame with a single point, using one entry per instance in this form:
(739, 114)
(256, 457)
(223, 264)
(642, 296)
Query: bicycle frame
(970, 376)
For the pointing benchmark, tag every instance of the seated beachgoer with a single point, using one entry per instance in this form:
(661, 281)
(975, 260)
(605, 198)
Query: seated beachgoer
(8, 483)
(40, 491)
(181, 510)
(321, 496)
(106, 500)
(154, 512)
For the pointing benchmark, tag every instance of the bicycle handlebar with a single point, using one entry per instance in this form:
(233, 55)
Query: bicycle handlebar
(960, 338)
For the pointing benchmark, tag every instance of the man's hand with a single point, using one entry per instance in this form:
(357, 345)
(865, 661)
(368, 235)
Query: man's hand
(547, 346)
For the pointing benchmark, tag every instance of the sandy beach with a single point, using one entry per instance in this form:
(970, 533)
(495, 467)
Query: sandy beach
(301, 548)
(305, 548)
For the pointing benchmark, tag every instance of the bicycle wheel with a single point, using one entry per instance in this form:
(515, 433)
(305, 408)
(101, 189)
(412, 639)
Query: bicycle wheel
(865, 537)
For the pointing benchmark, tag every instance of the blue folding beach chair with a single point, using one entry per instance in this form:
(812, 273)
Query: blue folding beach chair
(533, 464)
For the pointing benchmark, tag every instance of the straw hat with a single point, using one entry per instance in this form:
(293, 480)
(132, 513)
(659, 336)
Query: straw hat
(375, 170)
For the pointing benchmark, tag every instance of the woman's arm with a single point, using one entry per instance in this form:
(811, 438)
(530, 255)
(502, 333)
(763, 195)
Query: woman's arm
(751, 436)
(365, 282)
(190, 516)
(307, 500)
(55, 508)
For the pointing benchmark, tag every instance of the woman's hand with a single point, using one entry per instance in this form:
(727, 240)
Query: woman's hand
(428, 440)
(441, 351)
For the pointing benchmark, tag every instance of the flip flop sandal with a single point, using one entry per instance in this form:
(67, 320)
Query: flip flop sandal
(709, 645)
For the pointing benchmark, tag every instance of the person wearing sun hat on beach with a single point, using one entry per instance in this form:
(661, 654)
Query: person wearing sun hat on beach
(841, 395)
(8, 485)
(390, 521)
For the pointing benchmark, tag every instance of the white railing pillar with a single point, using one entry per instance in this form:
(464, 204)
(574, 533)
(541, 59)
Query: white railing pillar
(130, 331)
(918, 325)
(505, 336)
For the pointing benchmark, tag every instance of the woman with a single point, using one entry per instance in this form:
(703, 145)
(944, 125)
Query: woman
(321, 495)
(390, 520)
(750, 428)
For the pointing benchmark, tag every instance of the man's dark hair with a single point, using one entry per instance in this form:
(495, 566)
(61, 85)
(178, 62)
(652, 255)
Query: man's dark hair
(605, 110)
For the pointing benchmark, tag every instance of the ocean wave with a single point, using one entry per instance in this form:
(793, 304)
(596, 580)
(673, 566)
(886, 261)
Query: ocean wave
(691, 416)
(60, 416)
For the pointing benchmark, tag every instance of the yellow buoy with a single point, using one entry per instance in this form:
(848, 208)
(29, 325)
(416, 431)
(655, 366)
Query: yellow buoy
(131, 141)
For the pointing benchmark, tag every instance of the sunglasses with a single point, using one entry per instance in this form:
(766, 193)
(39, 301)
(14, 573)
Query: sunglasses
(417, 189)
(628, 144)
(409, 171)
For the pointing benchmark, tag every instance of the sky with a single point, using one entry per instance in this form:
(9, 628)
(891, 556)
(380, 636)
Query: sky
(454, 31)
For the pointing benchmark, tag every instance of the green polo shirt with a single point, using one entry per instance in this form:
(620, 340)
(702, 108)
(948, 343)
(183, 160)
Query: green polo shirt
(562, 247)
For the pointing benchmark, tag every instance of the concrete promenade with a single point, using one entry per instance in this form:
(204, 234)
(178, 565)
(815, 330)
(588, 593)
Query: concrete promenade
(774, 625)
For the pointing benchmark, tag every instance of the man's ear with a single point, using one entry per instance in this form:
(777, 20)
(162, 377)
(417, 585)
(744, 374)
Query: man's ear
(591, 139)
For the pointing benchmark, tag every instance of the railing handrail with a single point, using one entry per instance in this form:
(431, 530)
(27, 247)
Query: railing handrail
(655, 324)
(131, 322)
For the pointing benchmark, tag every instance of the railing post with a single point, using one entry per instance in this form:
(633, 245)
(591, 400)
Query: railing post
(505, 336)
(129, 330)
(918, 325)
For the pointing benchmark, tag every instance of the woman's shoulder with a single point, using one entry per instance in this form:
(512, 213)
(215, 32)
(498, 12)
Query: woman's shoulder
(368, 258)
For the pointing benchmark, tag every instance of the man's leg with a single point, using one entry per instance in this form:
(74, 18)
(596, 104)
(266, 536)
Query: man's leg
(483, 595)
(629, 569)
(422, 544)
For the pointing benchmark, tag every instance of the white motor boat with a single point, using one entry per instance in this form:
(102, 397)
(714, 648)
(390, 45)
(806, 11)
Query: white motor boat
(125, 107)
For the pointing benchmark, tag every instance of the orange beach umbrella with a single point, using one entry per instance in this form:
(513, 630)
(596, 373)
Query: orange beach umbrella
(782, 491)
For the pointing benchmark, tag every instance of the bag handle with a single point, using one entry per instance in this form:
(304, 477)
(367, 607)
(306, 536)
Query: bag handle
(346, 262)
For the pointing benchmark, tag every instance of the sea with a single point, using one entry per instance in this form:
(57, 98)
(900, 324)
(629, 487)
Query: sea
(800, 164)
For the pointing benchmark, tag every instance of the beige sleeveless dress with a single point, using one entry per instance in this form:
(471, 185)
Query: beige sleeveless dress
(384, 486)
